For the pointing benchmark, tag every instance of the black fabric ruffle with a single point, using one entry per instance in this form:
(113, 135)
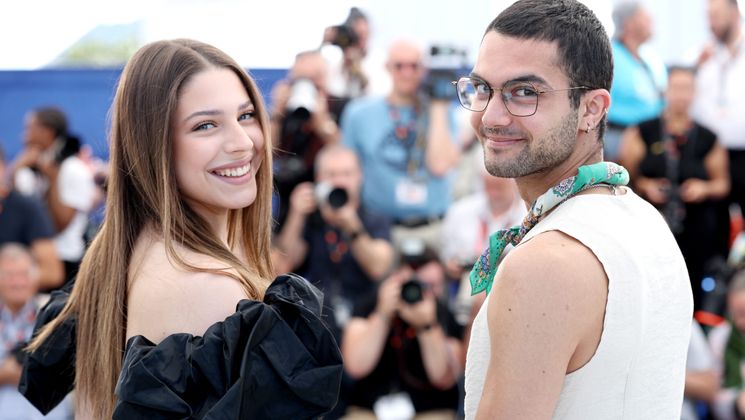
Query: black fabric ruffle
(49, 372)
(272, 359)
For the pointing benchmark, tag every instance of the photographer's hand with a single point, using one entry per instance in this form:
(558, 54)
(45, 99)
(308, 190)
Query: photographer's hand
(442, 154)
(10, 371)
(290, 239)
(323, 125)
(653, 189)
(440, 353)
(302, 199)
(421, 315)
(694, 190)
(389, 295)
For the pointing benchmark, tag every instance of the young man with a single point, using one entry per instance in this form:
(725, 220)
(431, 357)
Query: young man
(589, 316)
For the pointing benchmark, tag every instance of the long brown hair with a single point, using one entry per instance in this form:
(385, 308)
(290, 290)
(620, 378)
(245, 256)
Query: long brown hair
(143, 193)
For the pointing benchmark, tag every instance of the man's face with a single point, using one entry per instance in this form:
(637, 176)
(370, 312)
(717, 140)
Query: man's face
(641, 24)
(311, 66)
(341, 169)
(406, 68)
(35, 134)
(723, 15)
(518, 146)
(681, 89)
(18, 282)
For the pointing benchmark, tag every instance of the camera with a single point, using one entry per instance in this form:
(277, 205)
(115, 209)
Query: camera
(344, 36)
(412, 291)
(303, 96)
(335, 197)
(445, 64)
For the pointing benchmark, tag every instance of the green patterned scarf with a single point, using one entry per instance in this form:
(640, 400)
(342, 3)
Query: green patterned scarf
(605, 173)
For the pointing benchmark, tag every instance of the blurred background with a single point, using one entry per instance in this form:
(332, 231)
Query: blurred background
(70, 53)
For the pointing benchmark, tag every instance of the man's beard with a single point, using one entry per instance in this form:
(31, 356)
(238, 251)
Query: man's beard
(537, 155)
(726, 34)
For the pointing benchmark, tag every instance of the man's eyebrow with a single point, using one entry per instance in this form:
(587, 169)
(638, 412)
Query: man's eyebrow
(530, 78)
(214, 112)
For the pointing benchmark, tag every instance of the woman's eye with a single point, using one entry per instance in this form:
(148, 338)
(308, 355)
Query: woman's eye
(204, 126)
(247, 116)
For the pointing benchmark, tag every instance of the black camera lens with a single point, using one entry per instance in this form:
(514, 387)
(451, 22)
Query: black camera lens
(412, 291)
(338, 197)
(335, 197)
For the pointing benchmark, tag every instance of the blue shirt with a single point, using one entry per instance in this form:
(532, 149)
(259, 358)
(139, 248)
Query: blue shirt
(636, 93)
(396, 182)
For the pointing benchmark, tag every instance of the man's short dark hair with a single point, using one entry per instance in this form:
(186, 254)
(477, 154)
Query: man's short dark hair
(52, 118)
(2, 155)
(680, 68)
(584, 47)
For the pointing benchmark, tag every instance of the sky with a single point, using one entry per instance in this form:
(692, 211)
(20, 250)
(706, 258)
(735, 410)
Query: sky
(258, 33)
(267, 33)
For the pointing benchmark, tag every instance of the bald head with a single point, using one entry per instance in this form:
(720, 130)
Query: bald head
(310, 65)
(405, 66)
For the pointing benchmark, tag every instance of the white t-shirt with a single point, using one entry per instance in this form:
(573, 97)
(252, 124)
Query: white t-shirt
(638, 369)
(77, 190)
(720, 95)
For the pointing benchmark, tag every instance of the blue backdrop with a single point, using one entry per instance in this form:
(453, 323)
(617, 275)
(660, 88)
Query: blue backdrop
(84, 95)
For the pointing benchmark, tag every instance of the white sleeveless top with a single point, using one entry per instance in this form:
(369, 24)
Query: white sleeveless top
(638, 370)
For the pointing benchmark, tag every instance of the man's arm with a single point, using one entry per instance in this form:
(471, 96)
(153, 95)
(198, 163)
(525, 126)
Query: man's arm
(51, 270)
(364, 339)
(545, 319)
(290, 239)
(441, 153)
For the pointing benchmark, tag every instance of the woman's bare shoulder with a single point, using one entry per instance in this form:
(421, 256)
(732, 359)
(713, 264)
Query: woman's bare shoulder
(164, 298)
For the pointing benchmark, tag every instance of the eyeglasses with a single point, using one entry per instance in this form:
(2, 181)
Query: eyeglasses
(520, 98)
(400, 65)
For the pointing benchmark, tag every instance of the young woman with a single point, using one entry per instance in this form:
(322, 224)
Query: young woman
(185, 240)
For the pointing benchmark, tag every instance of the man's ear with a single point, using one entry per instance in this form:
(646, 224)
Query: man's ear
(596, 103)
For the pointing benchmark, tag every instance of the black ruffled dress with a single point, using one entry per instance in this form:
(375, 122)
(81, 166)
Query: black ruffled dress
(270, 360)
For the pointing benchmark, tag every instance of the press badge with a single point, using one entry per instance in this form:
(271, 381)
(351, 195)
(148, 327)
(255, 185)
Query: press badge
(411, 193)
(394, 407)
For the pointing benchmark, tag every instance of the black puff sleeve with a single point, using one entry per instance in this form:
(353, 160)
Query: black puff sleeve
(274, 359)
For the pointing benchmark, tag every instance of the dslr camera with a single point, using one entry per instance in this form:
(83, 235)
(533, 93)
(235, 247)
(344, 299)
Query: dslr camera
(344, 36)
(334, 197)
(413, 290)
(415, 254)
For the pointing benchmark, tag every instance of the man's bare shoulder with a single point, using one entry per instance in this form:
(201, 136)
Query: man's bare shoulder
(553, 282)
(165, 298)
(552, 259)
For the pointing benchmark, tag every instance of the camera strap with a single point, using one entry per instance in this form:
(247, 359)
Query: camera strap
(411, 135)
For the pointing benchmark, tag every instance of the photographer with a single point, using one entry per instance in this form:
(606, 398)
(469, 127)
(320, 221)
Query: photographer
(679, 166)
(403, 345)
(345, 247)
(19, 283)
(345, 47)
(49, 168)
(302, 124)
(407, 148)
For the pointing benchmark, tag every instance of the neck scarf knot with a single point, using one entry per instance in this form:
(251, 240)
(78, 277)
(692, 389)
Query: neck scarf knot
(601, 173)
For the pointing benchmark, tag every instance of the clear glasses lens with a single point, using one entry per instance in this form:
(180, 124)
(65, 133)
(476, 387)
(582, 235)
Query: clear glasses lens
(520, 98)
